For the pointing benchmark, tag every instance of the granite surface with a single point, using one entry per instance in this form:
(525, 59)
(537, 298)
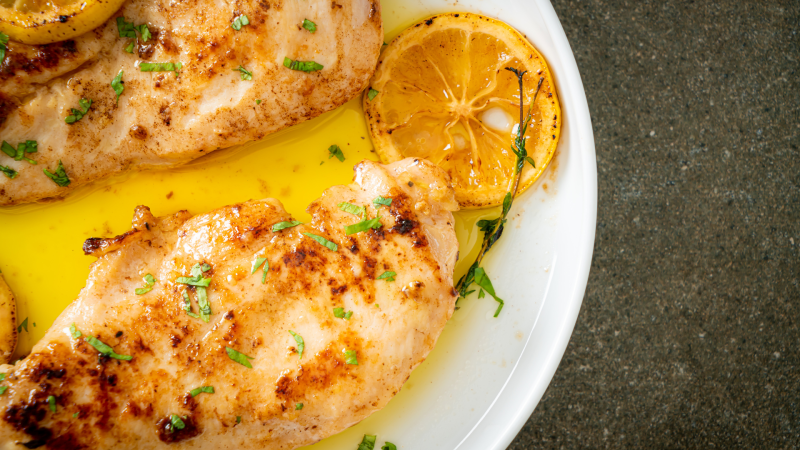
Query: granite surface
(688, 336)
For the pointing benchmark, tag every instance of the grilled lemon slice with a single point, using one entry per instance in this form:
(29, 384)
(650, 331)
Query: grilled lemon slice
(45, 21)
(441, 92)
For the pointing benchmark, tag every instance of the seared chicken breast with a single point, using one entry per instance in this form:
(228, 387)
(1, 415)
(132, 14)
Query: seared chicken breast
(307, 330)
(231, 86)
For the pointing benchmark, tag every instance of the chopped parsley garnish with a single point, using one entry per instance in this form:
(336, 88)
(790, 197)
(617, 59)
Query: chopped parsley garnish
(51, 403)
(129, 47)
(364, 225)
(340, 314)
(331, 246)
(239, 22)
(3, 42)
(298, 406)
(367, 443)
(9, 172)
(334, 150)
(309, 25)
(238, 419)
(240, 358)
(187, 305)
(283, 225)
(388, 446)
(352, 209)
(149, 281)
(161, 67)
(117, 85)
(258, 102)
(388, 276)
(24, 325)
(144, 31)
(197, 278)
(22, 149)
(301, 345)
(197, 391)
(60, 177)
(105, 349)
(77, 114)
(303, 66)
(2, 376)
(76, 414)
(73, 330)
(125, 28)
(350, 357)
(380, 201)
(482, 280)
(256, 264)
(246, 74)
(372, 94)
(3, 389)
(175, 423)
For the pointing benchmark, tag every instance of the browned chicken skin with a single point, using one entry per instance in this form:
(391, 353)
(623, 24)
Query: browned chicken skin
(102, 403)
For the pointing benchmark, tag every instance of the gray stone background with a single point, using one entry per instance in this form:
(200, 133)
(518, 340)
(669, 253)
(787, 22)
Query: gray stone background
(688, 336)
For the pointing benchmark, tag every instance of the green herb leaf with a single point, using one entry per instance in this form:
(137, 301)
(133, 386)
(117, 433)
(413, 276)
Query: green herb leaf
(130, 46)
(3, 389)
(77, 114)
(303, 66)
(9, 172)
(348, 315)
(530, 161)
(334, 150)
(309, 25)
(372, 94)
(176, 423)
(60, 177)
(256, 264)
(105, 349)
(149, 281)
(388, 446)
(388, 276)
(240, 358)
(125, 28)
(197, 391)
(24, 325)
(187, 305)
(239, 22)
(2, 376)
(203, 305)
(8, 149)
(238, 419)
(367, 443)
(350, 357)
(380, 201)
(161, 67)
(482, 280)
(283, 225)
(246, 75)
(364, 225)
(76, 414)
(301, 345)
(338, 313)
(3, 42)
(51, 403)
(298, 406)
(258, 102)
(117, 85)
(142, 291)
(144, 31)
(331, 246)
(73, 330)
(352, 209)
(507, 203)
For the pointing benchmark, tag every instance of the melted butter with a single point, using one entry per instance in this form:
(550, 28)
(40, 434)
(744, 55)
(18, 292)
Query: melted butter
(44, 265)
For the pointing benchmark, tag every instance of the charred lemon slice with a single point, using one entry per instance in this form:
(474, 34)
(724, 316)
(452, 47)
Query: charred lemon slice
(8, 323)
(441, 92)
(45, 21)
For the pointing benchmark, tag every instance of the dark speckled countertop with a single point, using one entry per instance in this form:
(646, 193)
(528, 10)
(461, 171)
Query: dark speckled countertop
(689, 334)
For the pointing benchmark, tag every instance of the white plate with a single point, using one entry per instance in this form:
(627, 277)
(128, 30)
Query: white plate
(482, 381)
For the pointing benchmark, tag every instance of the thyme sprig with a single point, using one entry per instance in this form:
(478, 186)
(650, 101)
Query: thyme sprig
(493, 229)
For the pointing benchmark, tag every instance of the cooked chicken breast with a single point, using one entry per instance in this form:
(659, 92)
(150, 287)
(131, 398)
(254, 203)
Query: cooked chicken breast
(163, 119)
(352, 360)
